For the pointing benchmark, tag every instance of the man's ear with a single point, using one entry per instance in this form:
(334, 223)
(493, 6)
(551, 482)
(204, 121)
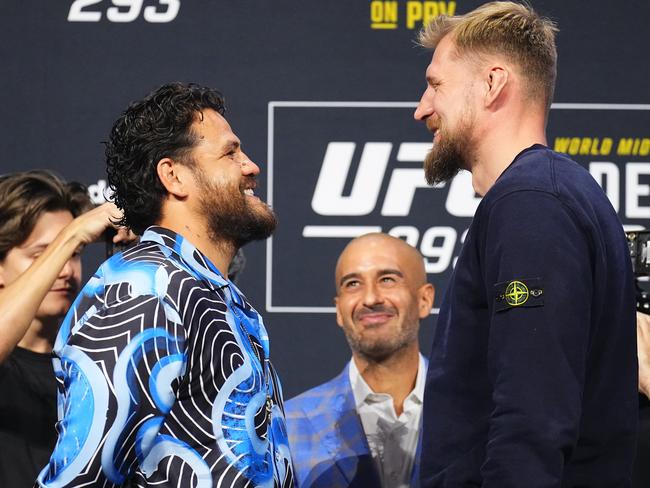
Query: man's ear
(339, 318)
(174, 177)
(426, 294)
(495, 81)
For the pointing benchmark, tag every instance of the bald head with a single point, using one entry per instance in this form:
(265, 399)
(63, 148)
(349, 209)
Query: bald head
(368, 248)
(381, 296)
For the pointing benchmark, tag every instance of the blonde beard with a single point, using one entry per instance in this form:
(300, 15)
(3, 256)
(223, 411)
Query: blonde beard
(451, 154)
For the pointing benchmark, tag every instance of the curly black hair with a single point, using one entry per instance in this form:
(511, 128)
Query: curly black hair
(157, 127)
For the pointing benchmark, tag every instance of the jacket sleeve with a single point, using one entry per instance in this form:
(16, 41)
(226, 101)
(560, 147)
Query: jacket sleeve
(120, 370)
(538, 279)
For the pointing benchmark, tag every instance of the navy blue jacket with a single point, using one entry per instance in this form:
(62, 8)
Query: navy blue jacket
(532, 378)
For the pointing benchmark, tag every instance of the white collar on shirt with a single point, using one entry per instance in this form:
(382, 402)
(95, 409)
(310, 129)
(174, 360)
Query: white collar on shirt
(364, 394)
(392, 440)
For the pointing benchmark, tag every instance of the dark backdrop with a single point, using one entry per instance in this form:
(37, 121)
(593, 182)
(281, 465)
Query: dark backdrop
(296, 76)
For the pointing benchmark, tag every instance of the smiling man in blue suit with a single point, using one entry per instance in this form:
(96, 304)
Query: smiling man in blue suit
(361, 429)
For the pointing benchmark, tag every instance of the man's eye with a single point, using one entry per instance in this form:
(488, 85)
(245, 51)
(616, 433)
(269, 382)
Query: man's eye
(388, 279)
(351, 284)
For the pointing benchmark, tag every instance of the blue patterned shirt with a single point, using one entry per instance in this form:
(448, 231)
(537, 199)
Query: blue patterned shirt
(164, 378)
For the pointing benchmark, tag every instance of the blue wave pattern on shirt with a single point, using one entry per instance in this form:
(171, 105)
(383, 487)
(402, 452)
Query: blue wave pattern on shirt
(165, 378)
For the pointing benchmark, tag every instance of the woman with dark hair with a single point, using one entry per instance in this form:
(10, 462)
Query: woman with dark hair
(42, 228)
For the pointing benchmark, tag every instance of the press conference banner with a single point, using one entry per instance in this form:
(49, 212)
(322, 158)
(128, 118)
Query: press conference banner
(322, 95)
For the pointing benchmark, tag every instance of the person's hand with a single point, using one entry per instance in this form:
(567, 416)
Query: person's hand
(90, 226)
(643, 351)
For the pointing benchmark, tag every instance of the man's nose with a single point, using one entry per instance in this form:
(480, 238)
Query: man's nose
(372, 295)
(425, 107)
(249, 168)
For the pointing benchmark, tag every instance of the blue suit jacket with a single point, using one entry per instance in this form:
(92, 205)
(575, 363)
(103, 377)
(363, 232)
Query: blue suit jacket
(328, 445)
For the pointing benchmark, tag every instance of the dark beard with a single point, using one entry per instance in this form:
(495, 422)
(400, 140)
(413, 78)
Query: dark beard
(449, 155)
(375, 351)
(232, 218)
(381, 349)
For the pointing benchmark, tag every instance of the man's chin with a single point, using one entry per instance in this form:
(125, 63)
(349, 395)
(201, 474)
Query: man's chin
(435, 174)
(377, 354)
(265, 216)
(441, 165)
(260, 225)
(377, 348)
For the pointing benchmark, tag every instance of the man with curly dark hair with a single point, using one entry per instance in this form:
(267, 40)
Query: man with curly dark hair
(164, 365)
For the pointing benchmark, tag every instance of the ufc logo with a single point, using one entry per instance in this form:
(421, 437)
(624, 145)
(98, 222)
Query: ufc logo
(328, 199)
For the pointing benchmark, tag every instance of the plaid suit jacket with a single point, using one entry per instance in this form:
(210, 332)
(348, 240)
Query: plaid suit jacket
(328, 445)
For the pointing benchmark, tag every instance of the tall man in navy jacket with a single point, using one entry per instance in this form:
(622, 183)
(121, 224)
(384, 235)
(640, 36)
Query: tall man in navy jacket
(532, 379)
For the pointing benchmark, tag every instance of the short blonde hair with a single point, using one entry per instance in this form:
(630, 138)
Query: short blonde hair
(506, 28)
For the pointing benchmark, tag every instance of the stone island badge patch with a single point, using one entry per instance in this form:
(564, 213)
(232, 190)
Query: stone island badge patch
(522, 292)
(516, 293)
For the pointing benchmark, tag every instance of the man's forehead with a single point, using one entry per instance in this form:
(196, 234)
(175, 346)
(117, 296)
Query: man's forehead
(368, 263)
(442, 54)
(214, 127)
(376, 254)
(208, 117)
